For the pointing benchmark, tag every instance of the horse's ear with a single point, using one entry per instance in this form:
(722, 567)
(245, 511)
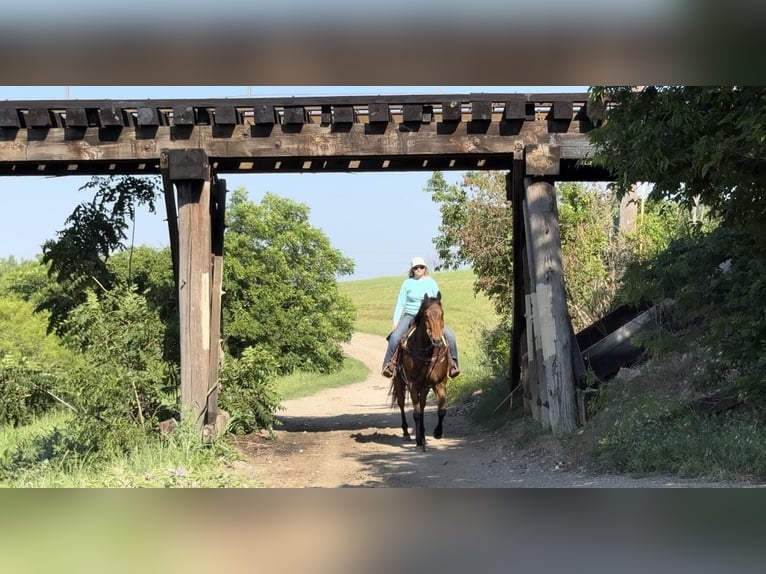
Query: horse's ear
(438, 295)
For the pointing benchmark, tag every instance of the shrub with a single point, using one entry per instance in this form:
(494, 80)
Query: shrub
(248, 393)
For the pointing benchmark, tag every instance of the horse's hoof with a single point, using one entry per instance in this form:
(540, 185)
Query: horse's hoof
(438, 434)
(406, 438)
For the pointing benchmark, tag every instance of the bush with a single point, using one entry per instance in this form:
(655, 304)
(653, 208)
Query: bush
(124, 386)
(249, 393)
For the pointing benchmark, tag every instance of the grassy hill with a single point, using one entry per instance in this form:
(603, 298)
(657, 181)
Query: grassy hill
(468, 314)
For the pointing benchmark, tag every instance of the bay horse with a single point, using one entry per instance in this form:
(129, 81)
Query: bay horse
(423, 366)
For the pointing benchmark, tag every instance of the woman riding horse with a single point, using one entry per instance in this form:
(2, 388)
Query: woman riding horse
(413, 289)
(424, 366)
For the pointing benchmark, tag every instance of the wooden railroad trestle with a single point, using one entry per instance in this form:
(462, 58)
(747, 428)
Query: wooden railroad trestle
(537, 138)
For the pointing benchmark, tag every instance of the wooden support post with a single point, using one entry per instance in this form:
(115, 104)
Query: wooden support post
(628, 215)
(537, 381)
(551, 316)
(189, 170)
(514, 185)
(217, 215)
(172, 214)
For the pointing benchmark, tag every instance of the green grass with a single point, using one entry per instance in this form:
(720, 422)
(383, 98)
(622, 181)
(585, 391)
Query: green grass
(303, 384)
(34, 456)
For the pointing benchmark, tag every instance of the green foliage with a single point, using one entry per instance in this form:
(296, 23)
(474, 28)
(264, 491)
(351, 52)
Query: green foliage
(150, 272)
(248, 392)
(26, 280)
(717, 281)
(496, 345)
(94, 230)
(31, 362)
(23, 390)
(476, 230)
(658, 437)
(698, 143)
(38, 456)
(280, 284)
(125, 386)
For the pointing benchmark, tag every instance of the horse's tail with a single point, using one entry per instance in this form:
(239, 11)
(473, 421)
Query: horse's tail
(392, 392)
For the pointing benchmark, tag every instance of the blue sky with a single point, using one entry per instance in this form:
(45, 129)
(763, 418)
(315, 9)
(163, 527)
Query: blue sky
(379, 220)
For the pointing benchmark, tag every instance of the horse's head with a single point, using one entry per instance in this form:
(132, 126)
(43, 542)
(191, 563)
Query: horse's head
(432, 315)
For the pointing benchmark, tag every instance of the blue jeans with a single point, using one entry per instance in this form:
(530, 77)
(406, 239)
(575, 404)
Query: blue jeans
(401, 329)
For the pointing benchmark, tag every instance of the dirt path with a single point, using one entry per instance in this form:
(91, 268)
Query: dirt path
(351, 436)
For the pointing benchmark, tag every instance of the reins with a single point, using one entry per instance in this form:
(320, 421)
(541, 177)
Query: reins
(423, 354)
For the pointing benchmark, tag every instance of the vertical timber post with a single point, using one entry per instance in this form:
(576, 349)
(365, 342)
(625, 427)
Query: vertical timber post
(551, 316)
(536, 376)
(189, 170)
(170, 211)
(214, 418)
(514, 192)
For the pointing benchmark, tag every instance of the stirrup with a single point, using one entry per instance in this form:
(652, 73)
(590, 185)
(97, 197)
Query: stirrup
(388, 371)
(454, 370)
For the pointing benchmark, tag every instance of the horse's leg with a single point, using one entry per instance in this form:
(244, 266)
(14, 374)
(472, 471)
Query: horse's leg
(399, 390)
(441, 398)
(417, 414)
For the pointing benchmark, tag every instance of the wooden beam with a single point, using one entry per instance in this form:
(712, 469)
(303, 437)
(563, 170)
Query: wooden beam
(189, 170)
(170, 213)
(217, 216)
(516, 192)
(551, 316)
(535, 393)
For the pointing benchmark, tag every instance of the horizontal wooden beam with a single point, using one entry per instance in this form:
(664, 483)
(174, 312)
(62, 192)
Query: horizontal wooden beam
(275, 148)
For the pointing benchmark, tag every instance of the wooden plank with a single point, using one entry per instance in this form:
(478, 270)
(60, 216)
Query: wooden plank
(39, 117)
(217, 224)
(452, 111)
(412, 113)
(264, 115)
(281, 101)
(188, 164)
(517, 226)
(326, 116)
(110, 117)
(561, 110)
(9, 118)
(481, 111)
(147, 116)
(515, 108)
(536, 378)
(379, 113)
(294, 115)
(183, 115)
(551, 317)
(343, 114)
(226, 116)
(171, 214)
(313, 142)
(542, 159)
(194, 276)
(76, 118)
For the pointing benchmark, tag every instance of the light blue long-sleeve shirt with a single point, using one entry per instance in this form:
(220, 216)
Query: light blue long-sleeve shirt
(411, 295)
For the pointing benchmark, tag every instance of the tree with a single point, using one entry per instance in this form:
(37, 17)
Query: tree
(696, 143)
(477, 230)
(280, 285)
(702, 145)
(93, 232)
